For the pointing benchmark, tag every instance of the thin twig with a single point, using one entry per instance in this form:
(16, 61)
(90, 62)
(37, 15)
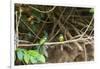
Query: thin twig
(16, 35)
(64, 21)
(87, 28)
(76, 30)
(55, 24)
(17, 24)
(77, 11)
(20, 14)
(53, 29)
(54, 35)
(30, 29)
(43, 11)
(70, 36)
(24, 41)
(40, 31)
(91, 32)
(85, 53)
(77, 36)
(83, 28)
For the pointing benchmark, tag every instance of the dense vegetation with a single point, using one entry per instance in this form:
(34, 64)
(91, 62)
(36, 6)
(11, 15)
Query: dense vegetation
(53, 34)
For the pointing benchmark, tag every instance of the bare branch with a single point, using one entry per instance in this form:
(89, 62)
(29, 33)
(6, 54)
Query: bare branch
(57, 43)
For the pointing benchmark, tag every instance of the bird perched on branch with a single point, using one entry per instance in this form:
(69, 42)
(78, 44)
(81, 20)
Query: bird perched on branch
(61, 39)
(42, 40)
(41, 47)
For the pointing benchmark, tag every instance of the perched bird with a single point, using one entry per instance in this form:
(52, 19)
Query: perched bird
(41, 47)
(61, 39)
(42, 40)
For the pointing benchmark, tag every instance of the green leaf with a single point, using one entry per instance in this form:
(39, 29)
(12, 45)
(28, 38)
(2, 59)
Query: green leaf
(33, 56)
(20, 55)
(41, 59)
(26, 58)
(33, 59)
(33, 52)
(36, 57)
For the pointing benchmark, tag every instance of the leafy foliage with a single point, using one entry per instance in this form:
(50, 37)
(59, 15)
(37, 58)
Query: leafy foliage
(29, 56)
(36, 57)
(20, 54)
